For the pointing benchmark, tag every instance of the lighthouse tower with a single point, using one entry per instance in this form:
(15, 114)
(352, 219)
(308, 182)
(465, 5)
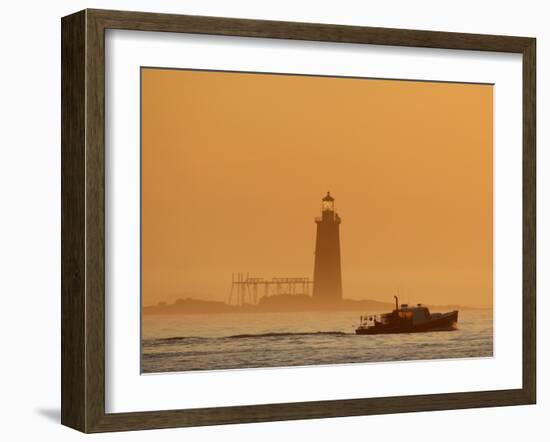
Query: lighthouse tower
(327, 274)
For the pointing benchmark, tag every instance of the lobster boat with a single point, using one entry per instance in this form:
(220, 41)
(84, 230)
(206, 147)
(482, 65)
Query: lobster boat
(406, 319)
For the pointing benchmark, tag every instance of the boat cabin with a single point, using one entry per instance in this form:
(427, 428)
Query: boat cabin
(414, 315)
(417, 315)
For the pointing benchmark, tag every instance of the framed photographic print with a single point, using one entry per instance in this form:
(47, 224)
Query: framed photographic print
(271, 220)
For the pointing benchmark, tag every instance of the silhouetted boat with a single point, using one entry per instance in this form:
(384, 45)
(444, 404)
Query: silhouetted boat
(407, 319)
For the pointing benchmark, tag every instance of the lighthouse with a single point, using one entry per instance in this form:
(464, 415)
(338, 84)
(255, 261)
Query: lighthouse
(327, 274)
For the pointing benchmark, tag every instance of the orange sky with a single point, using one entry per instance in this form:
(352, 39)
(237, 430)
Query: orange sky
(234, 166)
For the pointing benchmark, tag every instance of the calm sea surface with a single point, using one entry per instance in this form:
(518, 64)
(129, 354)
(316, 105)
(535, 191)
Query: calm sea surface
(225, 341)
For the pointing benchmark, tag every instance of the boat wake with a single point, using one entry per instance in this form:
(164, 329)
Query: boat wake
(283, 334)
(176, 339)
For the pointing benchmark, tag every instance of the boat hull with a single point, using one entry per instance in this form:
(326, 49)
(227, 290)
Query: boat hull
(445, 322)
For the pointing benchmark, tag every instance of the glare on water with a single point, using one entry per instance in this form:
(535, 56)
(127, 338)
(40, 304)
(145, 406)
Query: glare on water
(249, 340)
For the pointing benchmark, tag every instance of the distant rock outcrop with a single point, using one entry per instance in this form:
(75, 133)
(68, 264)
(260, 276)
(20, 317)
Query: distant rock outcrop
(267, 304)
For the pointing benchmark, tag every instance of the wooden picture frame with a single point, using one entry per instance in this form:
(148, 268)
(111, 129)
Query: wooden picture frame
(83, 220)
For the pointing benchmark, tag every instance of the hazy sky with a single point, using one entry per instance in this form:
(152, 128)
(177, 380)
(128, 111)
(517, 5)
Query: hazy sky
(234, 167)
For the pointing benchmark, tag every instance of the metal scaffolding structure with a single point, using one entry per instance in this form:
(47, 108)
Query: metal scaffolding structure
(247, 290)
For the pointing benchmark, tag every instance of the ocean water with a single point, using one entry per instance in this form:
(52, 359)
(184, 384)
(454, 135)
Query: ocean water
(251, 340)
